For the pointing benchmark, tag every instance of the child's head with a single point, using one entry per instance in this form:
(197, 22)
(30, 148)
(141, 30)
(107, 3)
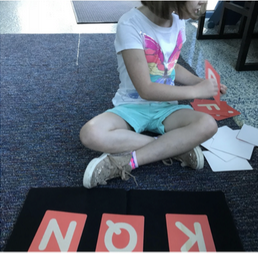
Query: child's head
(184, 9)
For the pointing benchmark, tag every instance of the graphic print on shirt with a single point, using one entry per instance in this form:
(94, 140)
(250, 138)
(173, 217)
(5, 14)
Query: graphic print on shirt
(161, 71)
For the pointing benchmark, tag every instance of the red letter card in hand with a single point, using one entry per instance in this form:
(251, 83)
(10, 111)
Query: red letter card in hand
(210, 73)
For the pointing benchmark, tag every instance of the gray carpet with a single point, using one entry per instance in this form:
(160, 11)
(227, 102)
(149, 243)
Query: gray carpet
(49, 88)
(101, 11)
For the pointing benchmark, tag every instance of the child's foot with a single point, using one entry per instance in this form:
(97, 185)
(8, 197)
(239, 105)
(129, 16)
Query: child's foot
(107, 167)
(193, 159)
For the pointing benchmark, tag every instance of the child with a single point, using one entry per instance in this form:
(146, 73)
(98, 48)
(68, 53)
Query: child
(148, 43)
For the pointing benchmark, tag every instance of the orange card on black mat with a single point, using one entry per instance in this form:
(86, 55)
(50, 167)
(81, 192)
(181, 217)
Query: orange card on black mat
(121, 233)
(187, 232)
(58, 231)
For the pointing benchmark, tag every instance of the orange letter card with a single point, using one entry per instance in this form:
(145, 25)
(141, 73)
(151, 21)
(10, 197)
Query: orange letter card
(121, 233)
(218, 109)
(188, 232)
(210, 73)
(58, 231)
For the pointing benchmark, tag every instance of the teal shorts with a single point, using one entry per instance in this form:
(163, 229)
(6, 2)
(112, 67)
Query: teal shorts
(147, 117)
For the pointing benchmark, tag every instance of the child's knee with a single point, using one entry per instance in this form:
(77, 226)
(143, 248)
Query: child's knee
(210, 126)
(88, 134)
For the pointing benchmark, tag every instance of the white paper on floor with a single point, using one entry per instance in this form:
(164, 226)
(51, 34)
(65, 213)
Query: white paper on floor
(224, 156)
(248, 134)
(219, 165)
(226, 141)
(226, 152)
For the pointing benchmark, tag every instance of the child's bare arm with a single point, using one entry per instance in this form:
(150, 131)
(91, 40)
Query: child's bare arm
(138, 71)
(185, 77)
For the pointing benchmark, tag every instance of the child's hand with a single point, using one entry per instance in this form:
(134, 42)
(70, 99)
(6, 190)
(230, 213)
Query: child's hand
(209, 88)
(206, 89)
(223, 89)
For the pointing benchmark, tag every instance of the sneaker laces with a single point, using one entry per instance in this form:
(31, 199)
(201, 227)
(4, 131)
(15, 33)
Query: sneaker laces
(168, 162)
(122, 169)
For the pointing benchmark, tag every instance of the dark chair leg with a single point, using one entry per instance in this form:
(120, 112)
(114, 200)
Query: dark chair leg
(246, 28)
(246, 40)
(222, 22)
(199, 34)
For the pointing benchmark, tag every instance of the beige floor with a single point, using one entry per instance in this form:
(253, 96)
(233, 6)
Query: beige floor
(49, 16)
(44, 16)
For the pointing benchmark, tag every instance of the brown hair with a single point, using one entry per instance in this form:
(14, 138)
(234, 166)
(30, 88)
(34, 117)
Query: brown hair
(163, 9)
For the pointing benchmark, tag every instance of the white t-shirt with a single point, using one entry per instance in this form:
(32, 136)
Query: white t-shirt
(162, 46)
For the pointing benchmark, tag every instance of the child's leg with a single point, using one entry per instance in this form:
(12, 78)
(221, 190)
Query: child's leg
(109, 133)
(185, 129)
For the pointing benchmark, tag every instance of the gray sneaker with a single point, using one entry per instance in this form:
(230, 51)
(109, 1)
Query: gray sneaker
(107, 167)
(193, 159)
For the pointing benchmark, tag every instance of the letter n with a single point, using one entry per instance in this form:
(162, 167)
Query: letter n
(58, 231)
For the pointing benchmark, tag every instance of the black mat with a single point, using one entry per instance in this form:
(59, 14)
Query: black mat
(153, 205)
(50, 86)
(101, 11)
